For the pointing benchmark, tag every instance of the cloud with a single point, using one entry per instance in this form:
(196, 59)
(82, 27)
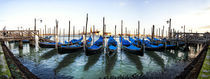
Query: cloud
(205, 27)
(208, 8)
(2, 20)
(123, 4)
(205, 12)
(146, 1)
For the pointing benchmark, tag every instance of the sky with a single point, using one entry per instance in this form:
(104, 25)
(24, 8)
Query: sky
(194, 14)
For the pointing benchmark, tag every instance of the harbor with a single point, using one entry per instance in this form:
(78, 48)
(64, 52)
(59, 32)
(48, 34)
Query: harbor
(78, 65)
(88, 46)
(25, 51)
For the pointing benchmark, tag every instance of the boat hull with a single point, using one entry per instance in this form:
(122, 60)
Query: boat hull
(25, 41)
(136, 52)
(46, 45)
(154, 49)
(69, 50)
(171, 47)
(93, 51)
(111, 51)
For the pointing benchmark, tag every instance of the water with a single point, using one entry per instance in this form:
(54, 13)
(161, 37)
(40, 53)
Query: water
(46, 63)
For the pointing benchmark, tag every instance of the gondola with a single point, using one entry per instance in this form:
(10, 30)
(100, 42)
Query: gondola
(48, 44)
(95, 48)
(151, 47)
(170, 46)
(69, 48)
(136, 42)
(73, 48)
(181, 43)
(128, 47)
(112, 45)
(74, 41)
(47, 37)
(167, 46)
(25, 41)
(156, 41)
(88, 42)
(159, 46)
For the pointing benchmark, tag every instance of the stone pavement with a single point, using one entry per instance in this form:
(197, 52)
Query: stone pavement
(205, 70)
(4, 70)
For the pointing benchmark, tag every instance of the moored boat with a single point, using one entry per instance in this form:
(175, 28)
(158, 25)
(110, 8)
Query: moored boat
(70, 48)
(73, 48)
(74, 41)
(96, 47)
(136, 42)
(129, 48)
(48, 44)
(150, 47)
(25, 41)
(112, 45)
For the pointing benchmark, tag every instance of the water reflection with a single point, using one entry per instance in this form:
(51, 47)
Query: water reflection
(34, 56)
(136, 60)
(110, 63)
(48, 54)
(67, 60)
(156, 58)
(79, 65)
(92, 59)
(21, 53)
(192, 52)
(171, 54)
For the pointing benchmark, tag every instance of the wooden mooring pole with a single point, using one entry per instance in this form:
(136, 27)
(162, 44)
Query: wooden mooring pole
(169, 28)
(20, 44)
(63, 34)
(115, 31)
(93, 33)
(103, 30)
(32, 41)
(144, 32)
(45, 29)
(125, 32)
(69, 31)
(121, 33)
(86, 31)
(138, 29)
(56, 34)
(163, 32)
(184, 34)
(73, 32)
(35, 24)
(153, 30)
(159, 33)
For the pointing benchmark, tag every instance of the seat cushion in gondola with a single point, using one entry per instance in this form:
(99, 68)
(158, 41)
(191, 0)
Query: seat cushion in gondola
(132, 47)
(71, 46)
(50, 42)
(170, 45)
(112, 47)
(93, 47)
(112, 41)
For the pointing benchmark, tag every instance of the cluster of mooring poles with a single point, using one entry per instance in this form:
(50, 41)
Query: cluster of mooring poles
(56, 33)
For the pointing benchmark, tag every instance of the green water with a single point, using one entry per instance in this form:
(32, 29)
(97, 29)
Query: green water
(46, 63)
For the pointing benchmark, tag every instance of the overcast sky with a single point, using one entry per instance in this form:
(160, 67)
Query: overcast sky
(194, 14)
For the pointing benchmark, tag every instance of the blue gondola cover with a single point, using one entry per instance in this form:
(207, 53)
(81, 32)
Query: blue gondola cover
(133, 47)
